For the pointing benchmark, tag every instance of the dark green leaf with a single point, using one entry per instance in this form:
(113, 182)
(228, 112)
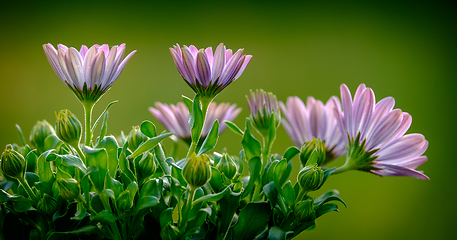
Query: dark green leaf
(272, 193)
(97, 158)
(325, 208)
(281, 173)
(73, 161)
(331, 195)
(289, 194)
(196, 120)
(234, 128)
(148, 128)
(166, 217)
(213, 197)
(149, 144)
(276, 233)
(252, 147)
(104, 111)
(110, 144)
(210, 140)
(146, 202)
(255, 164)
(252, 220)
(229, 204)
(104, 217)
(81, 212)
(291, 152)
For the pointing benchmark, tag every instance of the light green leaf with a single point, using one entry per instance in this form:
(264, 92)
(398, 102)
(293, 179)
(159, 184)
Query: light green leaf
(234, 128)
(104, 217)
(196, 120)
(213, 197)
(146, 202)
(73, 161)
(149, 144)
(188, 102)
(104, 111)
(110, 144)
(252, 147)
(288, 193)
(255, 164)
(97, 158)
(148, 129)
(21, 135)
(291, 152)
(210, 140)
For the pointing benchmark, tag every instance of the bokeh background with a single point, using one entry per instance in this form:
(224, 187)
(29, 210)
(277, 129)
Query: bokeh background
(402, 49)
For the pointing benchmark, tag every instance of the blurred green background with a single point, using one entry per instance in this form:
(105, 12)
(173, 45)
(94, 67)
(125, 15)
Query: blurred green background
(402, 49)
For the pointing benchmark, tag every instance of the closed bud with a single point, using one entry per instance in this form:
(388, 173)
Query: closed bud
(13, 163)
(303, 210)
(40, 132)
(169, 232)
(47, 205)
(263, 109)
(147, 165)
(309, 147)
(227, 166)
(311, 178)
(68, 127)
(196, 170)
(136, 138)
(69, 188)
(124, 202)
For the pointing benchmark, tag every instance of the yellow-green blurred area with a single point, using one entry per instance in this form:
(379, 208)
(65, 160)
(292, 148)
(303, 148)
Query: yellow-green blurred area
(402, 49)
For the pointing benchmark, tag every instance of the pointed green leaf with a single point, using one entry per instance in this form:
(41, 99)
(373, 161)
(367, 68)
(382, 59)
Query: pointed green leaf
(252, 147)
(213, 197)
(210, 140)
(276, 233)
(196, 120)
(104, 217)
(103, 128)
(272, 193)
(331, 195)
(148, 129)
(21, 135)
(146, 202)
(102, 114)
(166, 217)
(325, 208)
(282, 173)
(255, 164)
(252, 220)
(188, 102)
(289, 194)
(234, 128)
(73, 161)
(110, 144)
(291, 152)
(149, 144)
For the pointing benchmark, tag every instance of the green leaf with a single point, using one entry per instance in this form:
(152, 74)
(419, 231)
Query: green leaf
(81, 212)
(104, 127)
(210, 140)
(110, 144)
(188, 102)
(252, 147)
(252, 220)
(51, 142)
(276, 233)
(102, 114)
(114, 185)
(89, 229)
(234, 128)
(331, 195)
(282, 173)
(73, 161)
(97, 158)
(148, 129)
(21, 135)
(23, 206)
(146, 202)
(151, 188)
(255, 164)
(272, 193)
(325, 208)
(166, 217)
(291, 152)
(229, 205)
(196, 120)
(313, 158)
(44, 168)
(288, 193)
(214, 197)
(104, 217)
(149, 144)
(327, 174)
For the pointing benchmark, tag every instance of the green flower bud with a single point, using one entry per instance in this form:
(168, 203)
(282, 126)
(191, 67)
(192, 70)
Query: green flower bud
(303, 210)
(309, 147)
(124, 202)
(227, 166)
(136, 138)
(311, 178)
(196, 170)
(170, 232)
(47, 205)
(13, 163)
(263, 109)
(40, 132)
(69, 188)
(147, 165)
(68, 127)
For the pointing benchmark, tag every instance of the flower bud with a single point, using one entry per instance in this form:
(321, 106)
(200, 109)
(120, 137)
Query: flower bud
(124, 202)
(170, 232)
(135, 138)
(47, 205)
(303, 210)
(309, 147)
(263, 109)
(147, 165)
(227, 166)
(311, 178)
(40, 132)
(13, 163)
(69, 188)
(68, 127)
(196, 170)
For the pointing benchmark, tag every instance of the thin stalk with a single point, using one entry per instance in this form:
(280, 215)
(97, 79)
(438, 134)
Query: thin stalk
(188, 207)
(80, 153)
(88, 107)
(348, 165)
(301, 194)
(161, 157)
(27, 188)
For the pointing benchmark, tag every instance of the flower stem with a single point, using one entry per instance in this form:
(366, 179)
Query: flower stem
(188, 207)
(348, 165)
(27, 188)
(88, 107)
(161, 157)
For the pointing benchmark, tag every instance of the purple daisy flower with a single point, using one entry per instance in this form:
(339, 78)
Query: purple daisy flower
(376, 137)
(313, 120)
(89, 72)
(175, 118)
(209, 74)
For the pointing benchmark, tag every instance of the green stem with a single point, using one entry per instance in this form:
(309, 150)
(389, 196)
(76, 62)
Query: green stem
(301, 194)
(113, 226)
(349, 165)
(88, 107)
(27, 188)
(161, 157)
(205, 102)
(188, 207)
(80, 153)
